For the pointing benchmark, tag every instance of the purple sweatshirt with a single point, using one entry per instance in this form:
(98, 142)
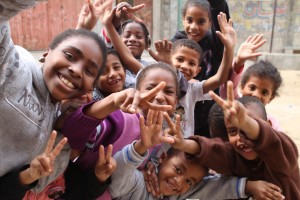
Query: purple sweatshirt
(86, 134)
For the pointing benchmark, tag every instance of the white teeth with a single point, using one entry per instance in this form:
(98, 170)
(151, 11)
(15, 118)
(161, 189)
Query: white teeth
(67, 82)
(114, 81)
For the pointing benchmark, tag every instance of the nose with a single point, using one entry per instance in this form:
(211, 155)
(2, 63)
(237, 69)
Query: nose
(193, 25)
(160, 97)
(132, 38)
(184, 66)
(112, 73)
(75, 71)
(256, 94)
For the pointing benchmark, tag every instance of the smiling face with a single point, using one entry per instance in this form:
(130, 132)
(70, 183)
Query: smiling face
(177, 174)
(196, 23)
(113, 77)
(71, 68)
(168, 95)
(134, 38)
(186, 60)
(262, 88)
(241, 144)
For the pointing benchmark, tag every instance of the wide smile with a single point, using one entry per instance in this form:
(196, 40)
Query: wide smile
(172, 186)
(113, 82)
(66, 82)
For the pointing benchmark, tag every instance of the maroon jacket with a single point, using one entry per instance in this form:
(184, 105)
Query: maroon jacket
(278, 159)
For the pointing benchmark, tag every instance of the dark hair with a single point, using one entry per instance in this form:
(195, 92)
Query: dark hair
(189, 157)
(216, 115)
(70, 33)
(254, 104)
(197, 3)
(160, 65)
(216, 121)
(191, 44)
(263, 70)
(145, 30)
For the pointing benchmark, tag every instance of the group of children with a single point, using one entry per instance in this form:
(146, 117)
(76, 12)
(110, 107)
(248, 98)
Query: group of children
(128, 129)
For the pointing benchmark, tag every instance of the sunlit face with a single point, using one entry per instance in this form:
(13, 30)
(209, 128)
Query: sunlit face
(262, 88)
(134, 38)
(113, 77)
(168, 95)
(196, 23)
(186, 60)
(177, 175)
(241, 144)
(71, 68)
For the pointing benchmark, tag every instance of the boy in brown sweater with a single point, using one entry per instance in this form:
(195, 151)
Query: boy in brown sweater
(254, 149)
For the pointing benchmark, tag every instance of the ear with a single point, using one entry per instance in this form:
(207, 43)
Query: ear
(162, 157)
(198, 70)
(270, 122)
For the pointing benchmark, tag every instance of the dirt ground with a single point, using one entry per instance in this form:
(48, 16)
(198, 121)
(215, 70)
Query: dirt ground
(286, 107)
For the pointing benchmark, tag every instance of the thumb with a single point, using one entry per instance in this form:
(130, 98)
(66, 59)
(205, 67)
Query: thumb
(152, 54)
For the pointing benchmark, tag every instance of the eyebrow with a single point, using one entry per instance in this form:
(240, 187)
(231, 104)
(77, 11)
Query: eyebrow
(80, 54)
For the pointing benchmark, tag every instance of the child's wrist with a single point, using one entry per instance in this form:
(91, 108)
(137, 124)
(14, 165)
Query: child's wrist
(25, 177)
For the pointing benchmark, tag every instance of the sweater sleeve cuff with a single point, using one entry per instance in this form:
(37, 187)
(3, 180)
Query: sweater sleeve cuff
(11, 187)
(133, 157)
(240, 187)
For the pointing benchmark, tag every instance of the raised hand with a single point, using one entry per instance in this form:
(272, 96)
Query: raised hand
(234, 112)
(227, 34)
(247, 50)
(151, 130)
(151, 179)
(262, 190)
(173, 133)
(125, 11)
(90, 13)
(42, 165)
(163, 51)
(106, 164)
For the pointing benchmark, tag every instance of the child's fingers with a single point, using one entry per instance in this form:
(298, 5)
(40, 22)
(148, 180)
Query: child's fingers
(149, 117)
(259, 44)
(138, 7)
(57, 149)
(230, 93)
(142, 122)
(51, 142)
(150, 94)
(45, 164)
(169, 121)
(160, 118)
(177, 122)
(135, 102)
(249, 38)
(108, 153)
(154, 106)
(101, 158)
(216, 98)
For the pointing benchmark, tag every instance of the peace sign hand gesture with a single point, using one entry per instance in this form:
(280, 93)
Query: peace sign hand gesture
(106, 164)
(42, 165)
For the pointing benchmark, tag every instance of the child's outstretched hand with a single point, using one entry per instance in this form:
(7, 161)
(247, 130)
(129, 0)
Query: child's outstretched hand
(106, 164)
(42, 165)
(91, 12)
(130, 99)
(261, 190)
(163, 51)
(247, 50)
(227, 34)
(174, 131)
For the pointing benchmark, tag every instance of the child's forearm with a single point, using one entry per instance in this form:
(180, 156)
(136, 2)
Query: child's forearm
(123, 51)
(102, 108)
(189, 146)
(250, 128)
